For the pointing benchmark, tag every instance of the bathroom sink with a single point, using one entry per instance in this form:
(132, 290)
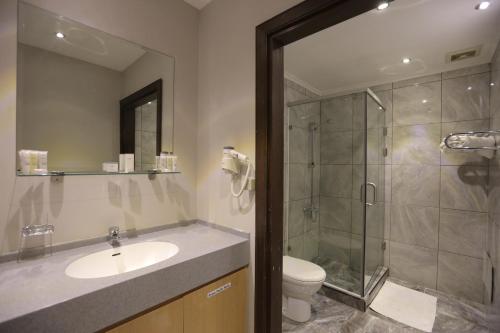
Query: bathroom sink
(121, 259)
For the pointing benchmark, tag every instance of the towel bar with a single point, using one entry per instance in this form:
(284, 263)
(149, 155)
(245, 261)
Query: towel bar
(474, 133)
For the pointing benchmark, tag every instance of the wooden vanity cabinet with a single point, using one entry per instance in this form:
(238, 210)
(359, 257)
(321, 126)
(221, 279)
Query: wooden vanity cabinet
(167, 318)
(219, 307)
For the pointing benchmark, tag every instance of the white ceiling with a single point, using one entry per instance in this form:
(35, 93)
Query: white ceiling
(367, 50)
(199, 4)
(38, 27)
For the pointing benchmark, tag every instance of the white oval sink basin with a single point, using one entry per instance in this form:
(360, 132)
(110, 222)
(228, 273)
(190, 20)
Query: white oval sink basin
(121, 260)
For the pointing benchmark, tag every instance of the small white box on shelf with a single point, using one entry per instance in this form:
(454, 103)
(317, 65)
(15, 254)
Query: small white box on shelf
(127, 163)
(110, 167)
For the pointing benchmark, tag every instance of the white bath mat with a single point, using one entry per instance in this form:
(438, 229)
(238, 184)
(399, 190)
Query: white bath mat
(408, 306)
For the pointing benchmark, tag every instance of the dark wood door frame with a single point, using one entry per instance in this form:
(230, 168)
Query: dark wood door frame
(295, 23)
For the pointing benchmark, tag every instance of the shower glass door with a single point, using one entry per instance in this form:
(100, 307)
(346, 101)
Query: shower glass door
(373, 191)
(334, 192)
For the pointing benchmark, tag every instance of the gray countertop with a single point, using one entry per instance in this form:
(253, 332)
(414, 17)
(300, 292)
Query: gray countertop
(37, 296)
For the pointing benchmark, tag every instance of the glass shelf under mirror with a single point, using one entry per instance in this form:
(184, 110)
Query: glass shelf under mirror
(97, 173)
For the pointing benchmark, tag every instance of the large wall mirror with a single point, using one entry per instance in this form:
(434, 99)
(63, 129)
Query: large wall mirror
(85, 96)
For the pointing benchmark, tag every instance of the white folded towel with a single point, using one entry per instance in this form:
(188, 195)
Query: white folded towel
(472, 141)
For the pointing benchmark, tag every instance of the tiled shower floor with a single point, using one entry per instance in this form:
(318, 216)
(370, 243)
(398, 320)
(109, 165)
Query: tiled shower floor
(453, 315)
(340, 275)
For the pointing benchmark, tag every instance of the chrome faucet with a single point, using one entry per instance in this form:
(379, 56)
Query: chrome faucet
(114, 235)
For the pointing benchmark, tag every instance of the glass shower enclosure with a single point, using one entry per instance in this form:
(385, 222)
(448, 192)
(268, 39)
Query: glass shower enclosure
(335, 188)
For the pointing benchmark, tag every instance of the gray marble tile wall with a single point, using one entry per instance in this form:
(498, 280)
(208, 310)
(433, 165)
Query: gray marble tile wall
(493, 242)
(439, 201)
(435, 205)
(301, 210)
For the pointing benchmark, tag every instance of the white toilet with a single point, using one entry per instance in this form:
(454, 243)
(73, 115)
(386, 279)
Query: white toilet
(301, 280)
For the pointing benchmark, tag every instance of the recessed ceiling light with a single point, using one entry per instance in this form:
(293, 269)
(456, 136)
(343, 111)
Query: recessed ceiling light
(469, 88)
(406, 60)
(424, 101)
(383, 5)
(59, 35)
(149, 103)
(483, 5)
(492, 84)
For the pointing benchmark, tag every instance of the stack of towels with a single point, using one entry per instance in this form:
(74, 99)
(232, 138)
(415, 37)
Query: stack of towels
(471, 141)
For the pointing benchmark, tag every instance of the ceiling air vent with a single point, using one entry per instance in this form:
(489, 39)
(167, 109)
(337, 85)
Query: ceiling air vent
(463, 54)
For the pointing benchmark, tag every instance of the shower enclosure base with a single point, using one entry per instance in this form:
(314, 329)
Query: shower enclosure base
(353, 300)
(339, 274)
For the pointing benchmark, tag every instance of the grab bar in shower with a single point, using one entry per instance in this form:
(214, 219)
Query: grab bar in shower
(481, 134)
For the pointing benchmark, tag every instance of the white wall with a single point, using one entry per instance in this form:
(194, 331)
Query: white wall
(84, 207)
(226, 103)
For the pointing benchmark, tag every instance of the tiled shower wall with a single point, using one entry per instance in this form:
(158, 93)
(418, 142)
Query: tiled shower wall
(300, 212)
(439, 204)
(436, 207)
(494, 195)
(145, 136)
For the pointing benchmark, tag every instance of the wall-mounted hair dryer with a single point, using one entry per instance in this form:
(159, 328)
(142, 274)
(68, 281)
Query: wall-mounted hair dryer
(232, 161)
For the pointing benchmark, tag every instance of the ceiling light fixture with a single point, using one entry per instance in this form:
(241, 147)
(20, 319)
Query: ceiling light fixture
(492, 84)
(383, 5)
(406, 60)
(424, 101)
(59, 35)
(469, 88)
(483, 5)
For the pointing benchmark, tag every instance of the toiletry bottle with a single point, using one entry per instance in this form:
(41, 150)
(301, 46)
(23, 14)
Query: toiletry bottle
(173, 162)
(163, 161)
(33, 158)
(43, 161)
(169, 161)
(157, 163)
(24, 161)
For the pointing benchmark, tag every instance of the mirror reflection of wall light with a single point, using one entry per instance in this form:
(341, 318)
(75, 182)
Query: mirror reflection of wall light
(483, 5)
(383, 5)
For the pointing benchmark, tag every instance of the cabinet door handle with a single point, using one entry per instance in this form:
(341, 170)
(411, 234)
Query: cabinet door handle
(217, 291)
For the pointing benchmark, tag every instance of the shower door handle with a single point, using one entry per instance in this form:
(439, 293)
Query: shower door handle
(374, 194)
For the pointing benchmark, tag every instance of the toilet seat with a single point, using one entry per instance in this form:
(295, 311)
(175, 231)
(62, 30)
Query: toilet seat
(301, 271)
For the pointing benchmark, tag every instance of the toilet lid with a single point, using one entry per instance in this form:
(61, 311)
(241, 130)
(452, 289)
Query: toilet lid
(301, 270)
